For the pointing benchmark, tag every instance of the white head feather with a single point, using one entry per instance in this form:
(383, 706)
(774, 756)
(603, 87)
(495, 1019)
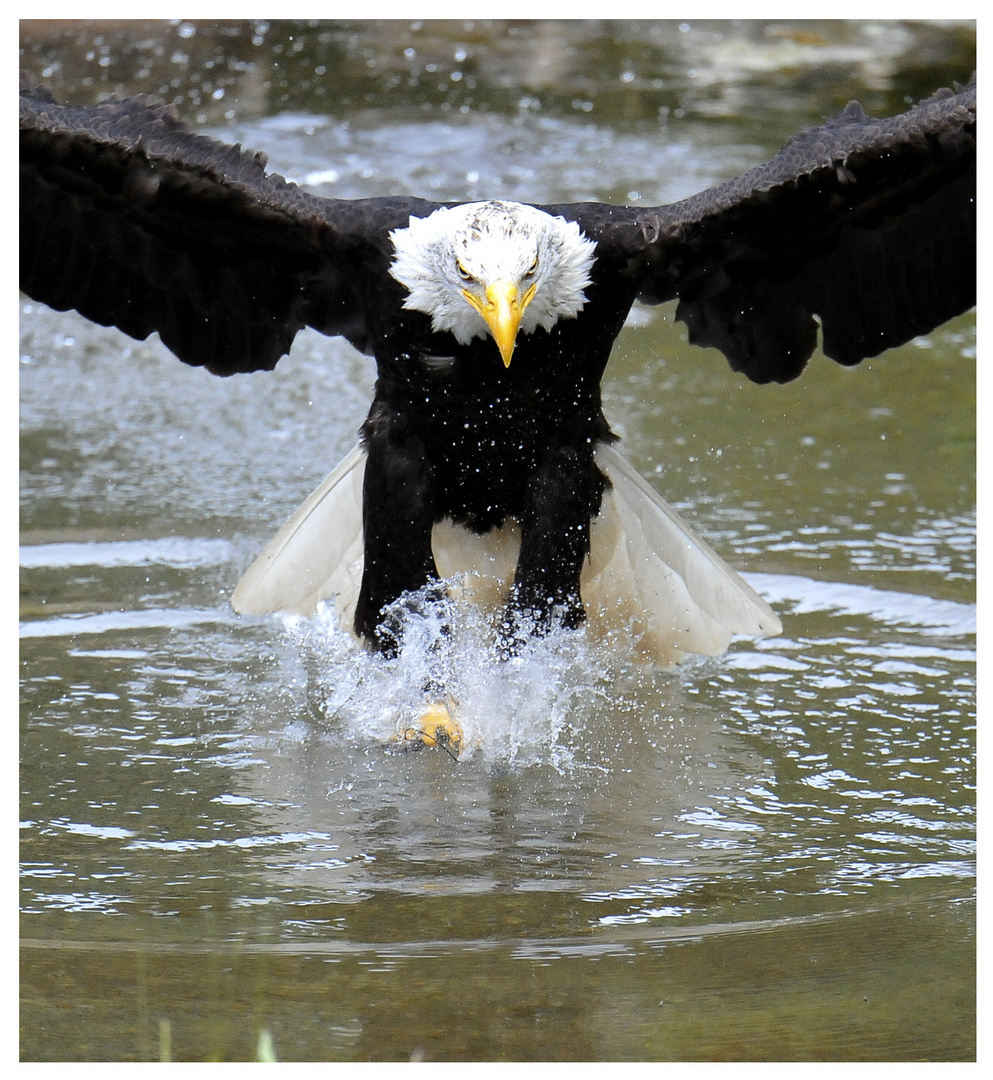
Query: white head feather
(475, 244)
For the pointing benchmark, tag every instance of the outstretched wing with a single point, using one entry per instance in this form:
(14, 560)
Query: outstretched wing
(137, 223)
(867, 225)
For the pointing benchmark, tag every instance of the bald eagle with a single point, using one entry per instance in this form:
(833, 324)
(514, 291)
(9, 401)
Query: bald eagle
(485, 467)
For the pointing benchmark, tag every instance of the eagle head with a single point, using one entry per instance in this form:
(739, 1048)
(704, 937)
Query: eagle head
(501, 268)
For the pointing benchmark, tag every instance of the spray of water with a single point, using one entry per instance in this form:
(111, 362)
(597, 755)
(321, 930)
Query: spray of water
(531, 708)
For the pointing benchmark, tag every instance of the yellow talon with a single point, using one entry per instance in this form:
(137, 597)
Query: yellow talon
(436, 726)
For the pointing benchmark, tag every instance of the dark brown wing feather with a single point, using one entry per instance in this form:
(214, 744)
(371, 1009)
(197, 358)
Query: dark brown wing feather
(870, 225)
(137, 223)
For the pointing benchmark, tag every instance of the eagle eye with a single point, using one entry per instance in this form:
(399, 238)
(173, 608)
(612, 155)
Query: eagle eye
(463, 273)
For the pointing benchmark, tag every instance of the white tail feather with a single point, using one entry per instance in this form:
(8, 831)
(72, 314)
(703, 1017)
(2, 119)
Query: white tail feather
(316, 555)
(647, 570)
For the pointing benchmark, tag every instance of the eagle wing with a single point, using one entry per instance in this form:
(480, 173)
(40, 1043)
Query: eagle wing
(867, 225)
(138, 223)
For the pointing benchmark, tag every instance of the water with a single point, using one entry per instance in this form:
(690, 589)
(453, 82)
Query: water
(760, 856)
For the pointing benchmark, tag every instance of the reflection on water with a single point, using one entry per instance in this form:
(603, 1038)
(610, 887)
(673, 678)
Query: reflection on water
(769, 854)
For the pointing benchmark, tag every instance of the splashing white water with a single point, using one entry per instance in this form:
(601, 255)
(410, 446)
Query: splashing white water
(529, 709)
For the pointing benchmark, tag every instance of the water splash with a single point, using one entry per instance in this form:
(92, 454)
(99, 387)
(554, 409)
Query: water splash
(529, 709)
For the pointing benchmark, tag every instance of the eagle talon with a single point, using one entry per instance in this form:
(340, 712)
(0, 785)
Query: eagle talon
(436, 727)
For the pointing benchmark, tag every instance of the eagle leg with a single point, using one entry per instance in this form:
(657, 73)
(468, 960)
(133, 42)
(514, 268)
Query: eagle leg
(565, 494)
(397, 518)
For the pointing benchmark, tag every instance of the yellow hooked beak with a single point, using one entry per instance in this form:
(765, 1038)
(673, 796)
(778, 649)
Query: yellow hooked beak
(502, 309)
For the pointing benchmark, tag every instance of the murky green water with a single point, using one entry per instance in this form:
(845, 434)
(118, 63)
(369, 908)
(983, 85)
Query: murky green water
(764, 856)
